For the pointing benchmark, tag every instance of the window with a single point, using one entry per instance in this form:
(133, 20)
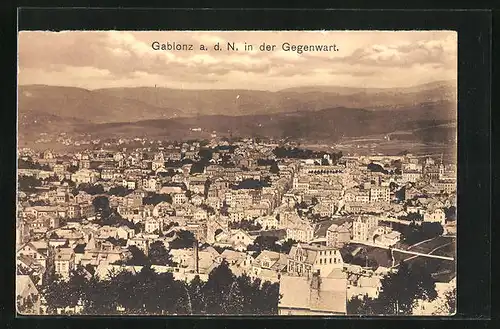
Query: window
(330, 260)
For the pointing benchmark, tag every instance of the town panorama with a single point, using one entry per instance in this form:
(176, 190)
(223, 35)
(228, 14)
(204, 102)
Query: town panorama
(231, 222)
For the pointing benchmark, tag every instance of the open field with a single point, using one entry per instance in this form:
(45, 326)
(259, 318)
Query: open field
(443, 246)
(442, 270)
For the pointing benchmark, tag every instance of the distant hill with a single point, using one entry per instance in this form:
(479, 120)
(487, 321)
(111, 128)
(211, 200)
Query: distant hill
(82, 104)
(322, 113)
(246, 102)
(326, 125)
(448, 86)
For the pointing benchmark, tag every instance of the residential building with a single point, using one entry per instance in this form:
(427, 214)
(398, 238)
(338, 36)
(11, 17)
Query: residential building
(269, 265)
(304, 259)
(363, 228)
(64, 262)
(338, 235)
(435, 216)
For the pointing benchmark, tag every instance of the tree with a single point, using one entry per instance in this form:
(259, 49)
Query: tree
(28, 183)
(138, 257)
(373, 167)
(220, 249)
(268, 298)
(450, 213)
(263, 242)
(265, 162)
(55, 290)
(69, 182)
(117, 242)
(154, 199)
(91, 189)
(149, 292)
(139, 227)
(198, 167)
(218, 288)
(26, 305)
(114, 219)
(234, 304)
(197, 299)
(30, 164)
(393, 186)
(396, 164)
(451, 301)
(159, 255)
(287, 246)
(39, 203)
(53, 235)
(246, 225)
(206, 188)
(363, 306)
(170, 225)
(431, 230)
(274, 169)
(126, 284)
(145, 291)
(119, 191)
(414, 233)
(414, 216)
(336, 157)
(185, 239)
(401, 290)
(251, 184)
(400, 194)
(101, 206)
(205, 154)
(72, 169)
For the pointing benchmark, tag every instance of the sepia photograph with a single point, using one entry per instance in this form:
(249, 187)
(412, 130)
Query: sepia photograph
(236, 173)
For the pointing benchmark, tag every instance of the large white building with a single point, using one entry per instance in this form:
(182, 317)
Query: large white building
(364, 227)
(380, 194)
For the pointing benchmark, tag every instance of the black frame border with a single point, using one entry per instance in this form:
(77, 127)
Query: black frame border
(474, 130)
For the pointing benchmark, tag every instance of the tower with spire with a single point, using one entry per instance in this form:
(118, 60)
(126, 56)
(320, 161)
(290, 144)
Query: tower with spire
(441, 167)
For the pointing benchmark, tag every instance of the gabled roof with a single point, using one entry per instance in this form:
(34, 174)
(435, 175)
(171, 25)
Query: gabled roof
(28, 260)
(32, 246)
(232, 255)
(273, 256)
(212, 250)
(79, 248)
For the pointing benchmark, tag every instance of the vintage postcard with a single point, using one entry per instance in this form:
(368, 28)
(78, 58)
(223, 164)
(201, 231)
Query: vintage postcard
(237, 173)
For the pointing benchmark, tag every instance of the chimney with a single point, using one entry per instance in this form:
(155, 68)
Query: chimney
(196, 258)
(315, 281)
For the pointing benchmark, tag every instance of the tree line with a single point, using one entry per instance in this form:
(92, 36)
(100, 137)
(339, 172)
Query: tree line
(413, 233)
(400, 293)
(152, 293)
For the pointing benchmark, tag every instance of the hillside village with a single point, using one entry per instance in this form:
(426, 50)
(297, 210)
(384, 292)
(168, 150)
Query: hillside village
(325, 227)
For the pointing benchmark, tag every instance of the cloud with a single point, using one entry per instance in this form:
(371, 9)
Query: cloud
(124, 58)
(438, 52)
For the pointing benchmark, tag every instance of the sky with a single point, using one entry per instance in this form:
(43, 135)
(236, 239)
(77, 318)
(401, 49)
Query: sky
(108, 59)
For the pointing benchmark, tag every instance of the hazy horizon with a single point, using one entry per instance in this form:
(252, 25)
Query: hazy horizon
(451, 81)
(114, 59)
